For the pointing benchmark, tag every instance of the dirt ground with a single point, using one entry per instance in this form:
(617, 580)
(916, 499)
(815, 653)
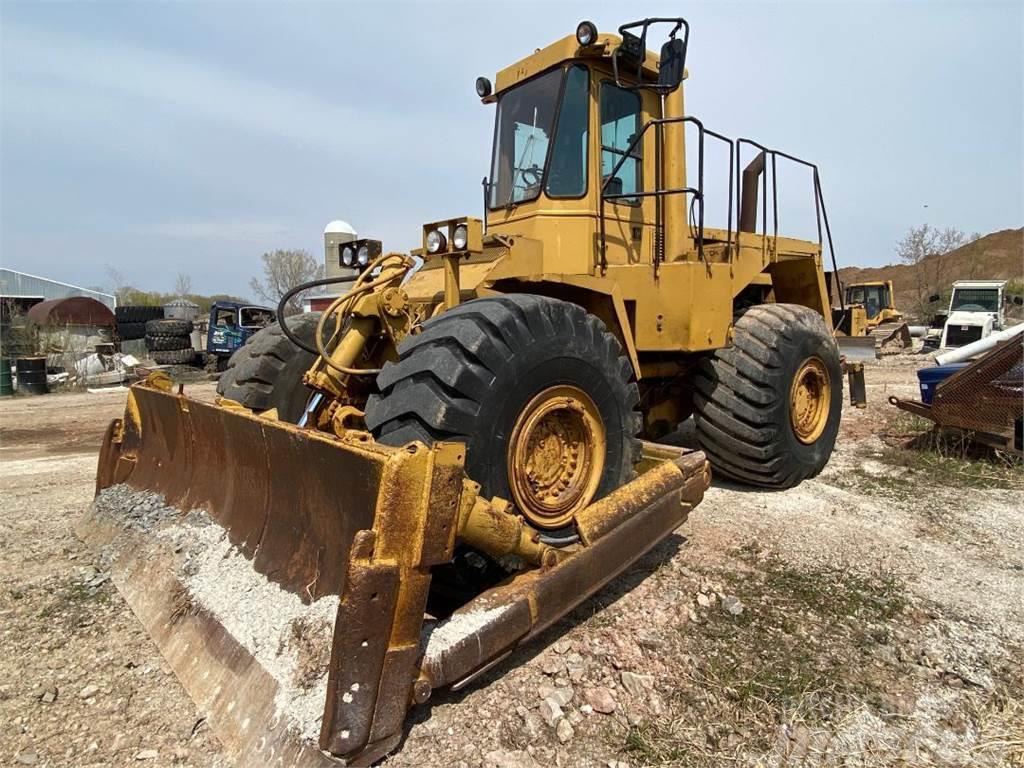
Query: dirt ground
(872, 616)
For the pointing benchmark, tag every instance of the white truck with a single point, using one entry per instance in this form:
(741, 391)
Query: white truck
(975, 312)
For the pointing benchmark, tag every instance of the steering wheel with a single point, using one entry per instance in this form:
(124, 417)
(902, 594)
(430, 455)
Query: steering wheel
(971, 308)
(531, 176)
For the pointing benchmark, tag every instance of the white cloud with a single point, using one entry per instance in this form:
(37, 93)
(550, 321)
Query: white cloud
(189, 87)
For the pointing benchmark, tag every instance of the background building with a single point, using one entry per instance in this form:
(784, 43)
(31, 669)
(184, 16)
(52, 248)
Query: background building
(22, 290)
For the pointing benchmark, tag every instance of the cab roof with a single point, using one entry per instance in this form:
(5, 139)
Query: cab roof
(979, 283)
(565, 49)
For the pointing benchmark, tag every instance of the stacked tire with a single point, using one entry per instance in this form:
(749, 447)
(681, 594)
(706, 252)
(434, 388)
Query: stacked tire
(169, 341)
(132, 319)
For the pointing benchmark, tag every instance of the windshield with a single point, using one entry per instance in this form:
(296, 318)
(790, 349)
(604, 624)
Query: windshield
(875, 298)
(975, 300)
(524, 126)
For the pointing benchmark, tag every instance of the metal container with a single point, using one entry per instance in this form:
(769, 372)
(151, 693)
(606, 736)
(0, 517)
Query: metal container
(6, 381)
(181, 309)
(32, 375)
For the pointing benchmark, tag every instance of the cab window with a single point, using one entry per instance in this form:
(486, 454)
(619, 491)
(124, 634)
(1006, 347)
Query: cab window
(225, 317)
(620, 122)
(255, 317)
(523, 128)
(567, 170)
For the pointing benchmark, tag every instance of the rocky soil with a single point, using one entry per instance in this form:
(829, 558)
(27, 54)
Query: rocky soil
(872, 616)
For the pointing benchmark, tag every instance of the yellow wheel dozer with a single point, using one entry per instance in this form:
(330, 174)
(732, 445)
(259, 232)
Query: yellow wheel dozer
(392, 494)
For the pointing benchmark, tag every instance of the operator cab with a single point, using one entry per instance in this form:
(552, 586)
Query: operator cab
(543, 121)
(874, 298)
(576, 111)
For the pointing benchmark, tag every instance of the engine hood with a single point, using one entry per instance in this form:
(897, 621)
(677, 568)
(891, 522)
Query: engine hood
(971, 318)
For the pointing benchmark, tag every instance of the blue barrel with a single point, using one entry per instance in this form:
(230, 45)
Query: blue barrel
(930, 378)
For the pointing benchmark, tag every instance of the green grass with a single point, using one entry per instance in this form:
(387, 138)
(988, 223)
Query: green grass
(801, 651)
(917, 454)
(647, 743)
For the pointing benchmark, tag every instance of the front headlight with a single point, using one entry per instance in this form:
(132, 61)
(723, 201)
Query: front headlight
(363, 256)
(348, 255)
(586, 33)
(460, 237)
(435, 241)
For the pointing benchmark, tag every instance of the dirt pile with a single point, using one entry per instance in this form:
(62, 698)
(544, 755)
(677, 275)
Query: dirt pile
(996, 256)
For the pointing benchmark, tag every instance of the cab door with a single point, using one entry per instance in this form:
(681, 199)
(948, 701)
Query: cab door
(620, 119)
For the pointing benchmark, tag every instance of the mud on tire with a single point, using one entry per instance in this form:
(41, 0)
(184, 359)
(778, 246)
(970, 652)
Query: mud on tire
(267, 371)
(473, 369)
(742, 397)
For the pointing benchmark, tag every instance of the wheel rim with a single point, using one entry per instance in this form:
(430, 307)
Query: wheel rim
(556, 456)
(810, 398)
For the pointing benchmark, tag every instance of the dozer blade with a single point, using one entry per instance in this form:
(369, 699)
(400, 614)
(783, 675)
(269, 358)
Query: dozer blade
(892, 337)
(857, 347)
(284, 573)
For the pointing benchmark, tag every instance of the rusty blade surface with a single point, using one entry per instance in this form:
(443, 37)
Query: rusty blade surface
(291, 503)
(289, 499)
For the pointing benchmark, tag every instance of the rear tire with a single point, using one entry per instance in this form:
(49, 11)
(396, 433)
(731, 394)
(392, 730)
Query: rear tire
(767, 408)
(514, 376)
(267, 371)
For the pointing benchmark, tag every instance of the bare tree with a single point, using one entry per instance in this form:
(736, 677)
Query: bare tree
(282, 271)
(923, 248)
(182, 285)
(118, 285)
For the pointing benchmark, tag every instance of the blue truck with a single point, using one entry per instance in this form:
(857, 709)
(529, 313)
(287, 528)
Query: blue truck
(231, 323)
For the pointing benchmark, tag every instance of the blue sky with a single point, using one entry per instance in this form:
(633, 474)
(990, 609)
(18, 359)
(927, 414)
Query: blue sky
(158, 138)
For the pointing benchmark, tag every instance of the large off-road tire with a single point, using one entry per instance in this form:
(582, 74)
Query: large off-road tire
(137, 313)
(167, 343)
(767, 408)
(175, 356)
(168, 327)
(537, 389)
(267, 371)
(131, 331)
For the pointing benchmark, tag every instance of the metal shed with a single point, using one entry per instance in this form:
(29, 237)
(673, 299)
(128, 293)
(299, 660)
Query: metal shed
(29, 289)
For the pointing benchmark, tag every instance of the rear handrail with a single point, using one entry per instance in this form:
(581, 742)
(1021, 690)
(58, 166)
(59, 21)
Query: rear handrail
(735, 153)
(660, 193)
(821, 213)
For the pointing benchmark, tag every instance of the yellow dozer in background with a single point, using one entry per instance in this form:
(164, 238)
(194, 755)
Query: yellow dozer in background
(392, 495)
(869, 325)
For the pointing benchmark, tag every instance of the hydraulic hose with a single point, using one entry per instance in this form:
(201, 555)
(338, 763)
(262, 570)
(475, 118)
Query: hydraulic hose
(282, 305)
(340, 307)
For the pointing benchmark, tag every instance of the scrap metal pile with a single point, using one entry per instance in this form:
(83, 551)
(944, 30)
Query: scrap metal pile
(984, 397)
